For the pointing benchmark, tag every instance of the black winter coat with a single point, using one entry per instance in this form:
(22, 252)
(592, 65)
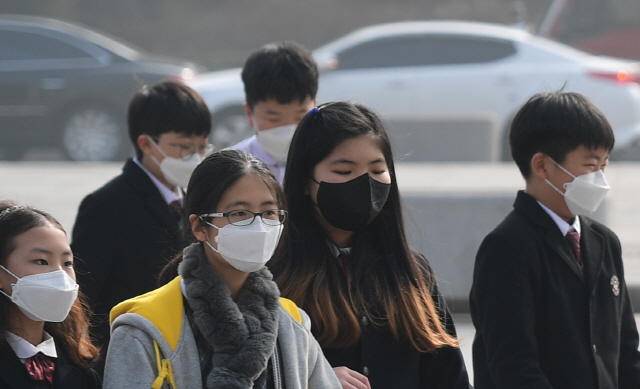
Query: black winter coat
(123, 236)
(541, 320)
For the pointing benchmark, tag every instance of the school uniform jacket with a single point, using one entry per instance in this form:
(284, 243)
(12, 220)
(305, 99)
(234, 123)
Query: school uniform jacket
(123, 236)
(14, 375)
(541, 320)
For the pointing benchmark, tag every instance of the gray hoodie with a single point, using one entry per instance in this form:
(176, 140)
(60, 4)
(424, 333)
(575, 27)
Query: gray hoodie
(158, 316)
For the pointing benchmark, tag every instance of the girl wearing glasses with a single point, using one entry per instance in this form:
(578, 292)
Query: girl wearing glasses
(220, 322)
(374, 305)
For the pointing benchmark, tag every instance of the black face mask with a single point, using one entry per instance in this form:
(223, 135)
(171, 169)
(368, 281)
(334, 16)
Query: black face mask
(354, 204)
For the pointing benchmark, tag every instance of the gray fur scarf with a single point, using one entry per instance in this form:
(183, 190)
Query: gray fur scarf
(243, 334)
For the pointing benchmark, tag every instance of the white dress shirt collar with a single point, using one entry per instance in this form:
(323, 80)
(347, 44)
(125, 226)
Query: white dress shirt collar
(251, 145)
(562, 225)
(168, 194)
(24, 349)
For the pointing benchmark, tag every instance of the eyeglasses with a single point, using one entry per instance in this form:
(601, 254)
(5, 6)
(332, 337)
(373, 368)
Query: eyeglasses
(187, 151)
(241, 217)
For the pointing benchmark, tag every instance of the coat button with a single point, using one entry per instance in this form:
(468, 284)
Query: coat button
(364, 321)
(595, 349)
(365, 371)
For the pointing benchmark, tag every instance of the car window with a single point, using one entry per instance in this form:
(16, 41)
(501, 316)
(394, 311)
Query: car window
(422, 50)
(22, 45)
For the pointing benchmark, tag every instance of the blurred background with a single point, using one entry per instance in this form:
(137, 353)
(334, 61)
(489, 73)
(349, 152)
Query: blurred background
(64, 89)
(221, 33)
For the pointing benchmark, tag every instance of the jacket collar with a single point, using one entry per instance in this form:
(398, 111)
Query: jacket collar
(591, 242)
(547, 229)
(592, 251)
(141, 183)
(12, 371)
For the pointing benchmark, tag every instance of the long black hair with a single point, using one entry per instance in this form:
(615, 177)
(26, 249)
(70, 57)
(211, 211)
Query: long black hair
(211, 178)
(384, 280)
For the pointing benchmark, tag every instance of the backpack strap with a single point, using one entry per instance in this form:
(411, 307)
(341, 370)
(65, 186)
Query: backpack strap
(291, 308)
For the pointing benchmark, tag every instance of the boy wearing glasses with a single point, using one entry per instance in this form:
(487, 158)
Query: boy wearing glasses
(126, 231)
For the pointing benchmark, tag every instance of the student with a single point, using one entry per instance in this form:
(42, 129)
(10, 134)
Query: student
(44, 335)
(374, 305)
(220, 324)
(126, 231)
(552, 310)
(280, 85)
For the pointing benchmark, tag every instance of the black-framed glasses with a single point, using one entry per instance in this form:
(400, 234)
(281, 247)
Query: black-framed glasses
(241, 217)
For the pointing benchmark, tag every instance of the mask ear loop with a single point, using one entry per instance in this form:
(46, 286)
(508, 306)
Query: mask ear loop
(564, 170)
(158, 148)
(7, 270)
(207, 241)
(16, 277)
(313, 202)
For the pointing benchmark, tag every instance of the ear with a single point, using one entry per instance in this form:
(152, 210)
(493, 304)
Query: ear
(538, 165)
(144, 144)
(197, 227)
(249, 114)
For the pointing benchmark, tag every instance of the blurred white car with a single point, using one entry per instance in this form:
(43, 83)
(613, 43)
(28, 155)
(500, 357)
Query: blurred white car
(447, 89)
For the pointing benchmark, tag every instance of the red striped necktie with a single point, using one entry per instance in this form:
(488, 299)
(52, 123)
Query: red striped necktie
(574, 242)
(40, 367)
(176, 210)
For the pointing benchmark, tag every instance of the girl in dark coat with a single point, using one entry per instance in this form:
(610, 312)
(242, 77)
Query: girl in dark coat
(373, 302)
(44, 339)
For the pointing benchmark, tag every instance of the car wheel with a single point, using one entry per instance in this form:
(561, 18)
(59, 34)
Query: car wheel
(230, 126)
(92, 134)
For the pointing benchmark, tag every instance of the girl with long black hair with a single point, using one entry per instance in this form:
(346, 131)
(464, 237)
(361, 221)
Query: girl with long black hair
(373, 302)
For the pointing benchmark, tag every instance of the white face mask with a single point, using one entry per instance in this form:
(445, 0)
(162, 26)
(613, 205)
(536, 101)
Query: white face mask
(275, 141)
(246, 248)
(45, 296)
(584, 194)
(176, 170)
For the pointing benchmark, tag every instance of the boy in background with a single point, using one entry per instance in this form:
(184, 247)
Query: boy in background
(126, 231)
(280, 84)
(549, 300)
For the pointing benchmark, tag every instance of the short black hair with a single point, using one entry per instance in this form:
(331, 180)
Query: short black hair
(556, 123)
(168, 106)
(284, 71)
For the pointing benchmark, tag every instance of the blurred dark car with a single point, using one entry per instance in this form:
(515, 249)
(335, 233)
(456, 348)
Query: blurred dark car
(65, 86)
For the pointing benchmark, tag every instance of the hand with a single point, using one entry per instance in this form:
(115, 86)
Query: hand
(351, 379)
